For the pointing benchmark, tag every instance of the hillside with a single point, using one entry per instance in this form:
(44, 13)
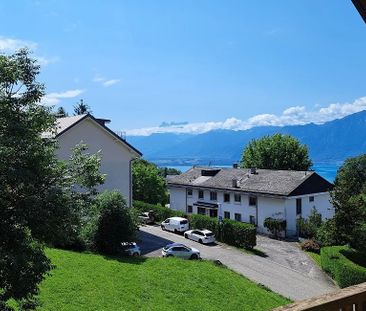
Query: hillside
(92, 282)
(331, 141)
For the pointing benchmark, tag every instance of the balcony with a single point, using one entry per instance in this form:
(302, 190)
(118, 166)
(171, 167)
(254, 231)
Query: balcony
(352, 298)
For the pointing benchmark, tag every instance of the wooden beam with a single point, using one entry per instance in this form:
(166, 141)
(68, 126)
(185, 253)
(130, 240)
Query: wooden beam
(361, 8)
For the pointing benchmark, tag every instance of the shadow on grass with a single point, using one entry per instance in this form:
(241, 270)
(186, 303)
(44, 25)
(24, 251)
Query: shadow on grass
(126, 259)
(357, 257)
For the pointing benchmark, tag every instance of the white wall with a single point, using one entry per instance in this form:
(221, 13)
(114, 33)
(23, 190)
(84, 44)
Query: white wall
(321, 203)
(269, 207)
(115, 156)
(178, 198)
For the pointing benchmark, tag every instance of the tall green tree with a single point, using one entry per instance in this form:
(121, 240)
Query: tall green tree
(61, 112)
(148, 185)
(281, 152)
(27, 172)
(81, 108)
(349, 200)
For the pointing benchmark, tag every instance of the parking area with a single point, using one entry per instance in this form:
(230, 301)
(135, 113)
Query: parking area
(279, 265)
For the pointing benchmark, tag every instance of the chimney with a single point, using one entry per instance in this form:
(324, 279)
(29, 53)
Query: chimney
(253, 170)
(235, 183)
(235, 165)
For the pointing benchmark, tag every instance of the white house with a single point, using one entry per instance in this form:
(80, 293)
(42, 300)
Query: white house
(117, 153)
(251, 195)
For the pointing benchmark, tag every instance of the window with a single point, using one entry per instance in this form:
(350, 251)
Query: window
(201, 211)
(311, 199)
(189, 192)
(252, 219)
(237, 217)
(227, 215)
(298, 207)
(184, 222)
(213, 196)
(252, 201)
(189, 209)
(200, 194)
(237, 197)
(226, 197)
(213, 213)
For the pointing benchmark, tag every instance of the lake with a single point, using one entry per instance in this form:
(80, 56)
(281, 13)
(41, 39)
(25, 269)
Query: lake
(326, 170)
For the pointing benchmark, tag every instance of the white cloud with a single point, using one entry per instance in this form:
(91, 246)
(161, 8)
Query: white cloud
(54, 98)
(105, 82)
(296, 115)
(10, 45)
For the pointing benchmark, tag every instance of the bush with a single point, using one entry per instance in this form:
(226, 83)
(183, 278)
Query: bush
(310, 246)
(160, 212)
(325, 235)
(239, 234)
(336, 260)
(275, 226)
(204, 222)
(309, 227)
(114, 223)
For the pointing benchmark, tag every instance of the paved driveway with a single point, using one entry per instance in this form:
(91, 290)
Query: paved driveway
(281, 265)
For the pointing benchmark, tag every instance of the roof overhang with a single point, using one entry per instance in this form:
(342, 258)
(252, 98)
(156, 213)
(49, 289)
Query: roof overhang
(206, 204)
(361, 8)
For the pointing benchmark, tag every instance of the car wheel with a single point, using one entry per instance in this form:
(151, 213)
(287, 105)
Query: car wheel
(194, 256)
(175, 231)
(162, 228)
(200, 241)
(135, 255)
(169, 255)
(186, 236)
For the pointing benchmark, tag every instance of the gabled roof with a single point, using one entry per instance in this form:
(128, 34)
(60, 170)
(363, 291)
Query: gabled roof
(66, 123)
(270, 182)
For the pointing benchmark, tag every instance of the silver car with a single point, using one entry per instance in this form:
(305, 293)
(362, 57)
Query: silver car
(131, 249)
(180, 251)
(202, 236)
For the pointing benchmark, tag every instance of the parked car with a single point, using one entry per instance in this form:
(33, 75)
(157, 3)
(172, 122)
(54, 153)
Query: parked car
(202, 236)
(131, 249)
(180, 251)
(146, 218)
(175, 224)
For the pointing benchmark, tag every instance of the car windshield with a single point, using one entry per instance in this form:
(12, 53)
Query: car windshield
(184, 222)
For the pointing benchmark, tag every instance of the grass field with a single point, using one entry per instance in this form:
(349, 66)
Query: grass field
(315, 257)
(91, 282)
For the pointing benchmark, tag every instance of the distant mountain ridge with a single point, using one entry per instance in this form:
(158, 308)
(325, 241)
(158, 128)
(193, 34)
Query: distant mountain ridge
(329, 142)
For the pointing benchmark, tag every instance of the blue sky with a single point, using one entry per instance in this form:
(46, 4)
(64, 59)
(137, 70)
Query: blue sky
(215, 64)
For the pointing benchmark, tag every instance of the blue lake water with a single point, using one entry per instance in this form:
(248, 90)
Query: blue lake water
(326, 170)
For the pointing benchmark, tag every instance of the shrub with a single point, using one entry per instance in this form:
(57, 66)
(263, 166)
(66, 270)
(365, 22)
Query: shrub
(325, 235)
(275, 226)
(338, 262)
(114, 223)
(310, 246)
(238, 233)
(204, 222)
(309, 227)
(160, 212)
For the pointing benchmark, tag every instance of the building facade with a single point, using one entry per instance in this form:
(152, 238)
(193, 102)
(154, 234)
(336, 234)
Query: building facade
(251, 196)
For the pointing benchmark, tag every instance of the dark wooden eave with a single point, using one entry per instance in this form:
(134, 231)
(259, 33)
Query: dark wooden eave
(361, 8)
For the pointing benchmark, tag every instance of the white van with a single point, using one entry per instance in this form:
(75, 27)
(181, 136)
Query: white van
(175, 224)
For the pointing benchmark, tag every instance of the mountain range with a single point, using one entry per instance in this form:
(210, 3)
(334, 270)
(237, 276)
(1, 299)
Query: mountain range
(329, 142)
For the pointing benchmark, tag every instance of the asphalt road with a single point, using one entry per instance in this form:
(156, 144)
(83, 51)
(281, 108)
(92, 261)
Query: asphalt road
(280, 265)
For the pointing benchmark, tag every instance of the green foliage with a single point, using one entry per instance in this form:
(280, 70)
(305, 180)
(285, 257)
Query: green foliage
(345, 265)
(165, 171)
(61, 112)
(148, 185)
(239, 234)
(27, 173)
(308, 227)
(114, 223)
(204, 222)
(281, 152)
(81, 108)
(275, 226)
(349, 200)
(161, 213)
(83, 281)
(325, 235)
(310, 246)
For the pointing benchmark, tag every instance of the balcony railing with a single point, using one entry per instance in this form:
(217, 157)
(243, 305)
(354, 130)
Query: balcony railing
(352, 298)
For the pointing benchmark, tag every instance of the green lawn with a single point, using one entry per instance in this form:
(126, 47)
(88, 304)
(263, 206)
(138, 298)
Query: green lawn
(91, 282)
(315, 257)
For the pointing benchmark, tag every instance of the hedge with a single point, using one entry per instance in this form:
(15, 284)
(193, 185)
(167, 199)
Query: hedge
(239, 233)
(161, 212)
(335, 260)
(231, 232)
